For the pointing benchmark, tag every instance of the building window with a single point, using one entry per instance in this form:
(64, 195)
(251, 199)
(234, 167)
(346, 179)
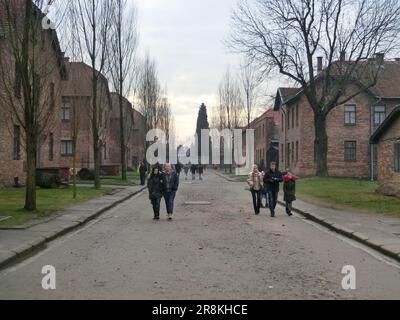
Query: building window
(397, 157)
(66, 148)
(350, 150)
(350, 115)
(52, 95)
(18, 83)
(17, 143)
(297, 115)
(288, 119)
(51, 147)
(297, 151)
(66, 111)
(293, 115)
(105, 151)
(379, 115)
(293, 153)
(283, 122)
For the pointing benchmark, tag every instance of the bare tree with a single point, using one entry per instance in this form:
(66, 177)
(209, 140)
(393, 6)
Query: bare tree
(28, 76)
(148, 92)
(93, 23)
(287, 35)
(231, 105)
(123, 68)
(250, 79)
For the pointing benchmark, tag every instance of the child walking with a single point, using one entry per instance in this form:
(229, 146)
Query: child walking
(289, 188)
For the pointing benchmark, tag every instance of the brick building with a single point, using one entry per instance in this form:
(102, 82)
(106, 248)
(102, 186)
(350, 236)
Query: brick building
(77, 97)
(266, 133)
(134, 133)
(387, 139)
(51, 71)
(349, 127)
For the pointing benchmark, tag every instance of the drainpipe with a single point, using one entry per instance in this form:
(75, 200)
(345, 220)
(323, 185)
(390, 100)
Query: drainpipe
(371, 145)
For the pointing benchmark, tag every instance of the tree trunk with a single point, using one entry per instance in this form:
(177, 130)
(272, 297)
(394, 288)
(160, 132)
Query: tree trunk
(122, 139)
(95, 129)
(30, 194)
(321, 145)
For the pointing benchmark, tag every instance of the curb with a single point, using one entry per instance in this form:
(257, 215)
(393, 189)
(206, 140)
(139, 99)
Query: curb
(351, 234)
(27, 249)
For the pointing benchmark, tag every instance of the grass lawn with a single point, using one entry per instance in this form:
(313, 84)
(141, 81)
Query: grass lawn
(48, 201)
(348, 193)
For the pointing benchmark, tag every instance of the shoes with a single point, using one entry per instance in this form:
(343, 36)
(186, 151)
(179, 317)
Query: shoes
(156, 218)
(169, 217)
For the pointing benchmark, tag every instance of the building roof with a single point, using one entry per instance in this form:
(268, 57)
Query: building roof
(270, 113)
(391, 118)
(284, 95)
(387, 86)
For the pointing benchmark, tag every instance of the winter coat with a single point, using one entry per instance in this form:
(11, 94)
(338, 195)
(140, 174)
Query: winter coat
(255, 181)
(272, 180)
(289, 188)
(142, 170)
(193, 169)
(174, 182)
(201, 169)
(155, 187)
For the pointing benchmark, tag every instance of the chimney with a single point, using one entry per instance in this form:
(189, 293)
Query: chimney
(380, 58)
(320, 65)
(343, 56)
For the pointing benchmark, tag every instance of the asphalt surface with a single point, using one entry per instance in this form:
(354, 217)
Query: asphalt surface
(216, 251)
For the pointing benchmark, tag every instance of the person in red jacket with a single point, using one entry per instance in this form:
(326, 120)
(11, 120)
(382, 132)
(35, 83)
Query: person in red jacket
(289, 189)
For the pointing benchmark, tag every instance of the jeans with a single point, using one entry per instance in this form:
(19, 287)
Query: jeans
(156, 207)
(272, 201)
(169, 201)
(142, 179)
(289, 207)
(256, 200)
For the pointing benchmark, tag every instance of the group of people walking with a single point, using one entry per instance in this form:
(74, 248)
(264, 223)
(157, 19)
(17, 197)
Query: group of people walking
(194, 169)
(163, 184)
(268, 184)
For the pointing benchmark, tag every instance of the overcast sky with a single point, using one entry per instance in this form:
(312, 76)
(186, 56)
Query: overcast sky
(186, 39)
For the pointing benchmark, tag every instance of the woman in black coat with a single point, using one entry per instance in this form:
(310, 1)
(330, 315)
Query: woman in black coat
(154, 185)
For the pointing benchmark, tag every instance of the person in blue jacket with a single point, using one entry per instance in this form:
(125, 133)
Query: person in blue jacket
(272, 179)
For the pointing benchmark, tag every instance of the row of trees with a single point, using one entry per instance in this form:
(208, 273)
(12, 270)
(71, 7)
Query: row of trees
(102, 34)
(287, 36)
(239, 97)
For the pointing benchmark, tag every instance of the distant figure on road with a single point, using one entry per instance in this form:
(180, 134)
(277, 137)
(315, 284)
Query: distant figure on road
(178, 168)
(201, 171)
(255, 182)
(193, 170)
(186, 169)
(142, 173)
(272, 179)
(289, 188)
(169, 187)
(155, 191)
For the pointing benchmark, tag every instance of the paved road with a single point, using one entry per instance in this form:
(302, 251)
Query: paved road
(219, 251)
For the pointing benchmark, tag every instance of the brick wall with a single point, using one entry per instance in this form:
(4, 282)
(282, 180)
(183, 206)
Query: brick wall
(389, 180)
(338, 132)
